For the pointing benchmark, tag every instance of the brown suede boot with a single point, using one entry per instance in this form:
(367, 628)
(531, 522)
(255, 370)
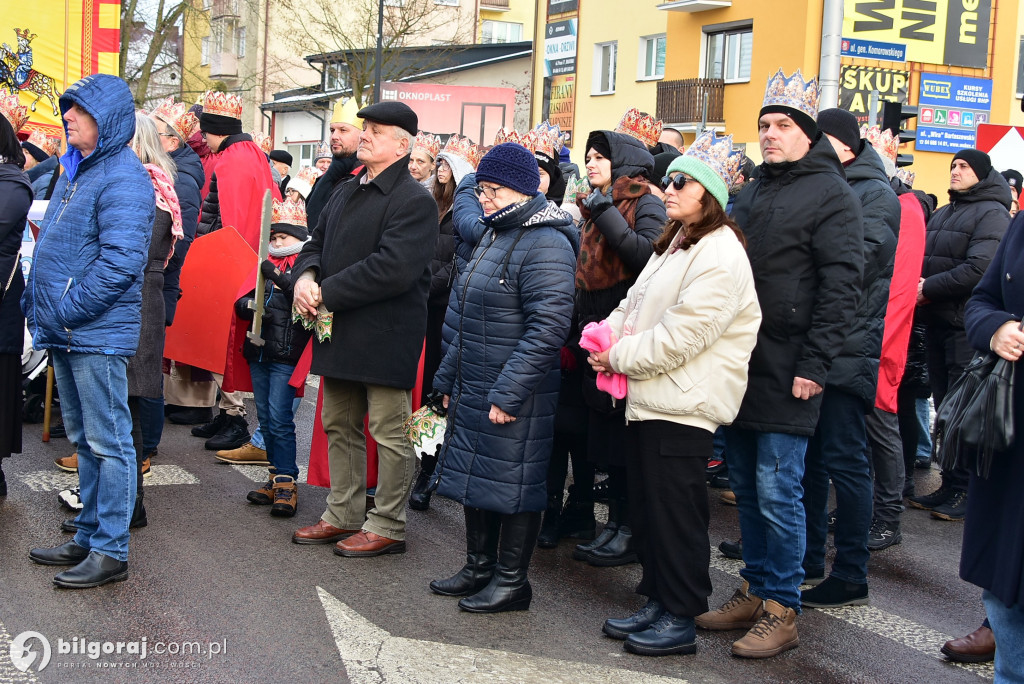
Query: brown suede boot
(774, 633)
(286, 496)
(264, 496)
(742, 611)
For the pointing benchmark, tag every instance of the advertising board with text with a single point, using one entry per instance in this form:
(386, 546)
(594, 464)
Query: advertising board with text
(856, 84)
(471, 111)
(560, 47)
(559, 104)
(950, 108)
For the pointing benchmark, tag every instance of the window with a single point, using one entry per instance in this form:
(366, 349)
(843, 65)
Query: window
(302, 153)
(394, 3)
(604, 68)
(240, 41)
(1020, 68)
(453, 3)
(207, 5)
(500, 32)
(729, 54)
(652, 57)
(335, 76)
(204, 57)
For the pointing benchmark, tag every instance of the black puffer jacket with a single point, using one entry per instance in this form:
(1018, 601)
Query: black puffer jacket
(284, 340)
(15, 200)
(511, 319)
(187, 186)
(805, 239)
(962, 239)
(442, 266)
(855, 369)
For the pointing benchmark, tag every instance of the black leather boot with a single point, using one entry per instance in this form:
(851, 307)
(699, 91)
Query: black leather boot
(419, 500)
(233, 434)
(549, 530)
(138, 513)
(582, 551)
(509, 588)
(577, 520)
(482, 529)
(94, 571)
(211, 428)
(619, 549)
(3, 480)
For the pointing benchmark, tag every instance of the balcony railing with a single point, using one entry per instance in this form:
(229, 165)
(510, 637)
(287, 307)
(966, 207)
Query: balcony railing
(494, 4)
(224, 8)
(682, 102)
(223, 65)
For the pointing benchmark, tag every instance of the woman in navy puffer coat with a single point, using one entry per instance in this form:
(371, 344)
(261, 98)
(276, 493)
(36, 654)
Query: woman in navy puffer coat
(500, 376)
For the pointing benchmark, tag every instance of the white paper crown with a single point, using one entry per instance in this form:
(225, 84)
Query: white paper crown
(323, 151)
(884, 142)
(718, 154)
(793, 92)
(547, 140)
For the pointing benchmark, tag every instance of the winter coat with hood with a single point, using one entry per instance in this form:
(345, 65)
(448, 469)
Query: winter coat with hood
(805, 240)
(84, 292)
(41, 175)
(855, 369)
(15, 200)
(961, 240)
(511, 318)
(187, 186)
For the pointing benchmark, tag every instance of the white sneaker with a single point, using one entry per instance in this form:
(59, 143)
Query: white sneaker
(71, 498)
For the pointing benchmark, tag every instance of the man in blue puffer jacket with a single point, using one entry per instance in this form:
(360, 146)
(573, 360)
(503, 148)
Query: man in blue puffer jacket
(83, 302)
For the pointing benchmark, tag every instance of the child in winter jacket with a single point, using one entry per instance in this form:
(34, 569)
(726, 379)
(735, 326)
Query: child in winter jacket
(272, 364)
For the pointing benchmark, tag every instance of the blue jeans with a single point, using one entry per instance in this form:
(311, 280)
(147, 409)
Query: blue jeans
(718, 442)
(838, 451)
(94, 403)
(766, 470)
(274, 407)
(151, 414)
(257, 436)
(1008, 626)
(924, 430)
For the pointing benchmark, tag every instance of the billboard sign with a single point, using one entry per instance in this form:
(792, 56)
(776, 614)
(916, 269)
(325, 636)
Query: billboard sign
(560, 47)
(856, 84)
(562, 6)
(953, 32)
(471, 111)
(950, 108)
(559, 105)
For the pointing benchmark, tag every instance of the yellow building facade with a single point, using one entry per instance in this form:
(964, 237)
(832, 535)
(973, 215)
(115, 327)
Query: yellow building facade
(764, 36)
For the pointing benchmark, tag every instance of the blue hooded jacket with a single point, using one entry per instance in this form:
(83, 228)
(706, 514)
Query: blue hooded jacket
(84, 292)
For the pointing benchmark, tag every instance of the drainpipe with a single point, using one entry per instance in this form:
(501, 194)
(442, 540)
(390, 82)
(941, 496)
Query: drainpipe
(831, 50)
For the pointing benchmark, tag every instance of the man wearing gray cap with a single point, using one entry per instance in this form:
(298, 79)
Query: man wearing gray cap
(367, 269)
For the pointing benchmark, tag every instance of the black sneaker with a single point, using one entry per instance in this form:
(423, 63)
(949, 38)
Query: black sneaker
(923, 463)
(954, 509)
(233, 434)
(732, 549)
(883, 535)
(720, 480)
(833, 593)
(212, 428)
(814, 577)
(831, 521)
(927, 502)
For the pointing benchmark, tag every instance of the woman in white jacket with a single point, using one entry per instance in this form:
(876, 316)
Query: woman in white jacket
(682, 337)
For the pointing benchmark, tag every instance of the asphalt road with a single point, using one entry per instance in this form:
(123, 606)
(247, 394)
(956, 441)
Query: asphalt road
(216, 575)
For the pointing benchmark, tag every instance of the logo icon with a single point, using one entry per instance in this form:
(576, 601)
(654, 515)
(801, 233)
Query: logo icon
(22, 656)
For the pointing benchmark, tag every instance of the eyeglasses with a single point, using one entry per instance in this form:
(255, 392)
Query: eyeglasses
(678, 182)
(489, 193)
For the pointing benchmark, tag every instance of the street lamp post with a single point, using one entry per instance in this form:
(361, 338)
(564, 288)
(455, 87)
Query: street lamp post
(380, 51)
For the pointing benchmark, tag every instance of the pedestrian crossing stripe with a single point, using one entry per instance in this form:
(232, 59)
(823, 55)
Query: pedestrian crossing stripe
(54, 480)
(260, 473)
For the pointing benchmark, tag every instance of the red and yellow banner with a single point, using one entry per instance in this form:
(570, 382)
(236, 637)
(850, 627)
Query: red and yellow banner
(46, 46)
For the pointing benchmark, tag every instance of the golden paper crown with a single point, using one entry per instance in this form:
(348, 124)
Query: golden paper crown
(23, 33)
(884, 142)
(463, 148)
(177, 116)
(906, 176)
(345, 112)
(548, 140)
(12, 110)
(322, 151)
(643, 127)
(222, 104)
(292, 213)
(431, 144)
(793, 92)
(262, 141)
(511, 135)
(49, 144)
(717, 154)
(309, 174)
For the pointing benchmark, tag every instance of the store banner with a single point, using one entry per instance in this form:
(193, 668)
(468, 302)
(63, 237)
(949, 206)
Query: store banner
(560, 47)
(47, 46)
(950, 110)
(952, 32)
(559, 105)
(562, 6)
(856, 84)
(474, 111)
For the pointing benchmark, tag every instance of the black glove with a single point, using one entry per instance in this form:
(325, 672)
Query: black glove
(598, 202)
(435, 400)
(275, 275)
(243, 309)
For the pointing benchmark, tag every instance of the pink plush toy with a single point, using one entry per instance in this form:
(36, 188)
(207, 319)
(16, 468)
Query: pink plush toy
(597, 337)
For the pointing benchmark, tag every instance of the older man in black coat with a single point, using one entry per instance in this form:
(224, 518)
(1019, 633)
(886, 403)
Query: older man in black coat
(368, 263)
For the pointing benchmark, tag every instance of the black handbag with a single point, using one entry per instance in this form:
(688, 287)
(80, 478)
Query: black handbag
(975, 420)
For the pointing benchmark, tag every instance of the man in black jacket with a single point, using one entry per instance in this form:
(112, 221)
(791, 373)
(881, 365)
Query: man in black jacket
(345, 132)
(838, 449)
(368, 264)
(961, 240)
(805, 239)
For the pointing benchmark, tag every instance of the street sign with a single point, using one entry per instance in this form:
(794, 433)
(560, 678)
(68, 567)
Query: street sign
(951, 107)
(873, 49)
(1004, 144)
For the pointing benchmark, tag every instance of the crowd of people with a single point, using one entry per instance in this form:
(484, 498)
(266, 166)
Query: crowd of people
(668, 316)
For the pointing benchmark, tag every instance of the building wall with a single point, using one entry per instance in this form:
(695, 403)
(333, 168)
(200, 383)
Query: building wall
(519, 12)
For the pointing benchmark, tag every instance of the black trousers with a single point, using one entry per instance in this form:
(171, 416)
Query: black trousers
(669, 508)
(949, 352)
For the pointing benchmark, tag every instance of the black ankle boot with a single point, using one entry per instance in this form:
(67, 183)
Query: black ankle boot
(549, 530)
(211, 428)
(419, 500)
(617, 551)
(482, 529)
(138, 513)
(3, 481)
(582, 551)
(509, 588)
(577, 519)
(233, 433)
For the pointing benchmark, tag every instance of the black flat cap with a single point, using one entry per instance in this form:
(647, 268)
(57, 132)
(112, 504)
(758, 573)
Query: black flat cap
(281, 156)
(392, 113)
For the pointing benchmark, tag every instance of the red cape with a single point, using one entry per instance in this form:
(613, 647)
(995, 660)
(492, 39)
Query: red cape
(899, 317)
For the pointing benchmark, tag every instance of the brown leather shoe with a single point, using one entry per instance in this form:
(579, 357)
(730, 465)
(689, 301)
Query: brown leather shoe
(247, 454)
(742, 611)
(69, 464)
(286, 497)
(146, 468)
(977, 647)
(364, 544)
(320, 533)
(264, 496)
(727, 497)
(774, 633)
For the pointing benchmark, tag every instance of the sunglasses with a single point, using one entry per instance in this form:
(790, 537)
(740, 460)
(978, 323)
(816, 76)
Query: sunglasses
(678, 182)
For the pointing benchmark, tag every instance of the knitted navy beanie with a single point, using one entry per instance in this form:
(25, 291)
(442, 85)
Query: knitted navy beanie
(512, 166)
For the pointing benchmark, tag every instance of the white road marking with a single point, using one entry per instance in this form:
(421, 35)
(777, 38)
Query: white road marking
(8, 673)
(258, 473)
(877, 621)
(372, 655)
(55, 480)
